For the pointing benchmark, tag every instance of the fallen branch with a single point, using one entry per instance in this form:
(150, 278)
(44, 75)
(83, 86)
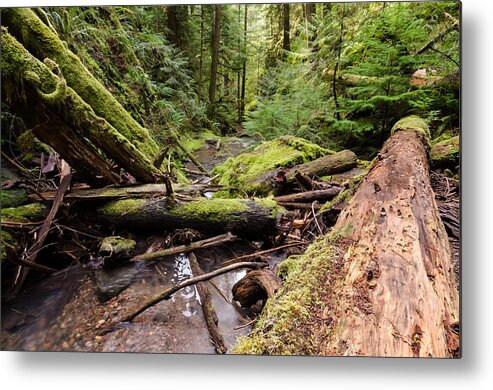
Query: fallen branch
(166, 294)
(264, 252)
(193, 246)
(31, 255)
(310, 196)
(208, 308)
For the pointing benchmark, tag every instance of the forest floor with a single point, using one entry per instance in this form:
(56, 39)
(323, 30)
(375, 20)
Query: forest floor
(65, 313)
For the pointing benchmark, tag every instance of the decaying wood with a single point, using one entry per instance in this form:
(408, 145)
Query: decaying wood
(240, 216)
(193, 246)
(31, 255)
(300, 205)
(324, 166)
(396, 293)
(256, 285)
(208, 308)
(309, 196)
(137, 191)
(166, 294)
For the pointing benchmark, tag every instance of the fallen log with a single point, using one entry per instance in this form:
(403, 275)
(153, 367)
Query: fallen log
(256, 285)
(239, 216)
(309, 196)
(49, 90)
(138, 191)
(40, 40)
(324, 166)
(384, 274)
(166, 294)
(193, 246)
(208, 308)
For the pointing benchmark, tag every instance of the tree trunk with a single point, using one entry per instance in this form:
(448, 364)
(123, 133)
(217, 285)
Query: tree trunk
(72, 110)
(243, 80)
(176, 33)
(286, 44)
(240, 216)
(397, 295)
(40, 40)
(215, 58)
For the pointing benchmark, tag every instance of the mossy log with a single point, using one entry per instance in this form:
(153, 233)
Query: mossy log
(445, 154)
(13, 221)
(324, 166)
(240, 216)
(25, 81)
(43, 43)
(384, 274)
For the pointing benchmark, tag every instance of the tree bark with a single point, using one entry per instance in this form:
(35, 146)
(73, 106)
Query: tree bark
(256, 285)
(240, 216)
(309, 196)
(397, 295)
(385, 282)
(215, 58)
(40, 40)
(243, 79)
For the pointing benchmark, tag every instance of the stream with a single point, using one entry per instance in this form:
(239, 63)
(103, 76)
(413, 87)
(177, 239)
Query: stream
(68, 311)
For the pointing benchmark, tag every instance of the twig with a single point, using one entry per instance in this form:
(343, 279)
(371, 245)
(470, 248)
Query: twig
(315, 218)
(166, 294)
(245, 325)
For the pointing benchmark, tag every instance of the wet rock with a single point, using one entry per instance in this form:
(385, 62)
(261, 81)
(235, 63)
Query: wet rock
(116, 248)
(111, 282)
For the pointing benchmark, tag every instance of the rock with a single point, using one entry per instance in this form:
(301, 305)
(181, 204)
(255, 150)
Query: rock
(111, 282)
(116, 248)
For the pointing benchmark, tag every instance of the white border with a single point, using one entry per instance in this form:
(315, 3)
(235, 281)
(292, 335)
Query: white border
(125, 371)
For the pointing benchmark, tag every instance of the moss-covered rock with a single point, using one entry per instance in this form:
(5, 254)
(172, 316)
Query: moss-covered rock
(242, 171)
(116, 247)
(414, 123)
(12, 197)
(445, 154)
(26, 213)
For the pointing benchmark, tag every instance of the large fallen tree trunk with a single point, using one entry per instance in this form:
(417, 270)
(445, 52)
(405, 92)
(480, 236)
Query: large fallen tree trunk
(384, 273)
(47, 91)
(40, 40)
(240, 216)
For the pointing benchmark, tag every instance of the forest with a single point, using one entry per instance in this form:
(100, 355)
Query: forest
(268, 179)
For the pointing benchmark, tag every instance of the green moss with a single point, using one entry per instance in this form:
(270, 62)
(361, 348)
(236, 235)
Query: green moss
(213, 210)
(25, 213)
(7, 244)
(12, 198)
(445, 154)
(414, 123)
(276, 211)
(242, 171)
(38, 38)
(122, 207)
(284, 325)
(117, 246)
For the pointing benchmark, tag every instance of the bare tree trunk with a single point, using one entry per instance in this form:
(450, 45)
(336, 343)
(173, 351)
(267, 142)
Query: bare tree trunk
(243, 81)
(215, 58)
